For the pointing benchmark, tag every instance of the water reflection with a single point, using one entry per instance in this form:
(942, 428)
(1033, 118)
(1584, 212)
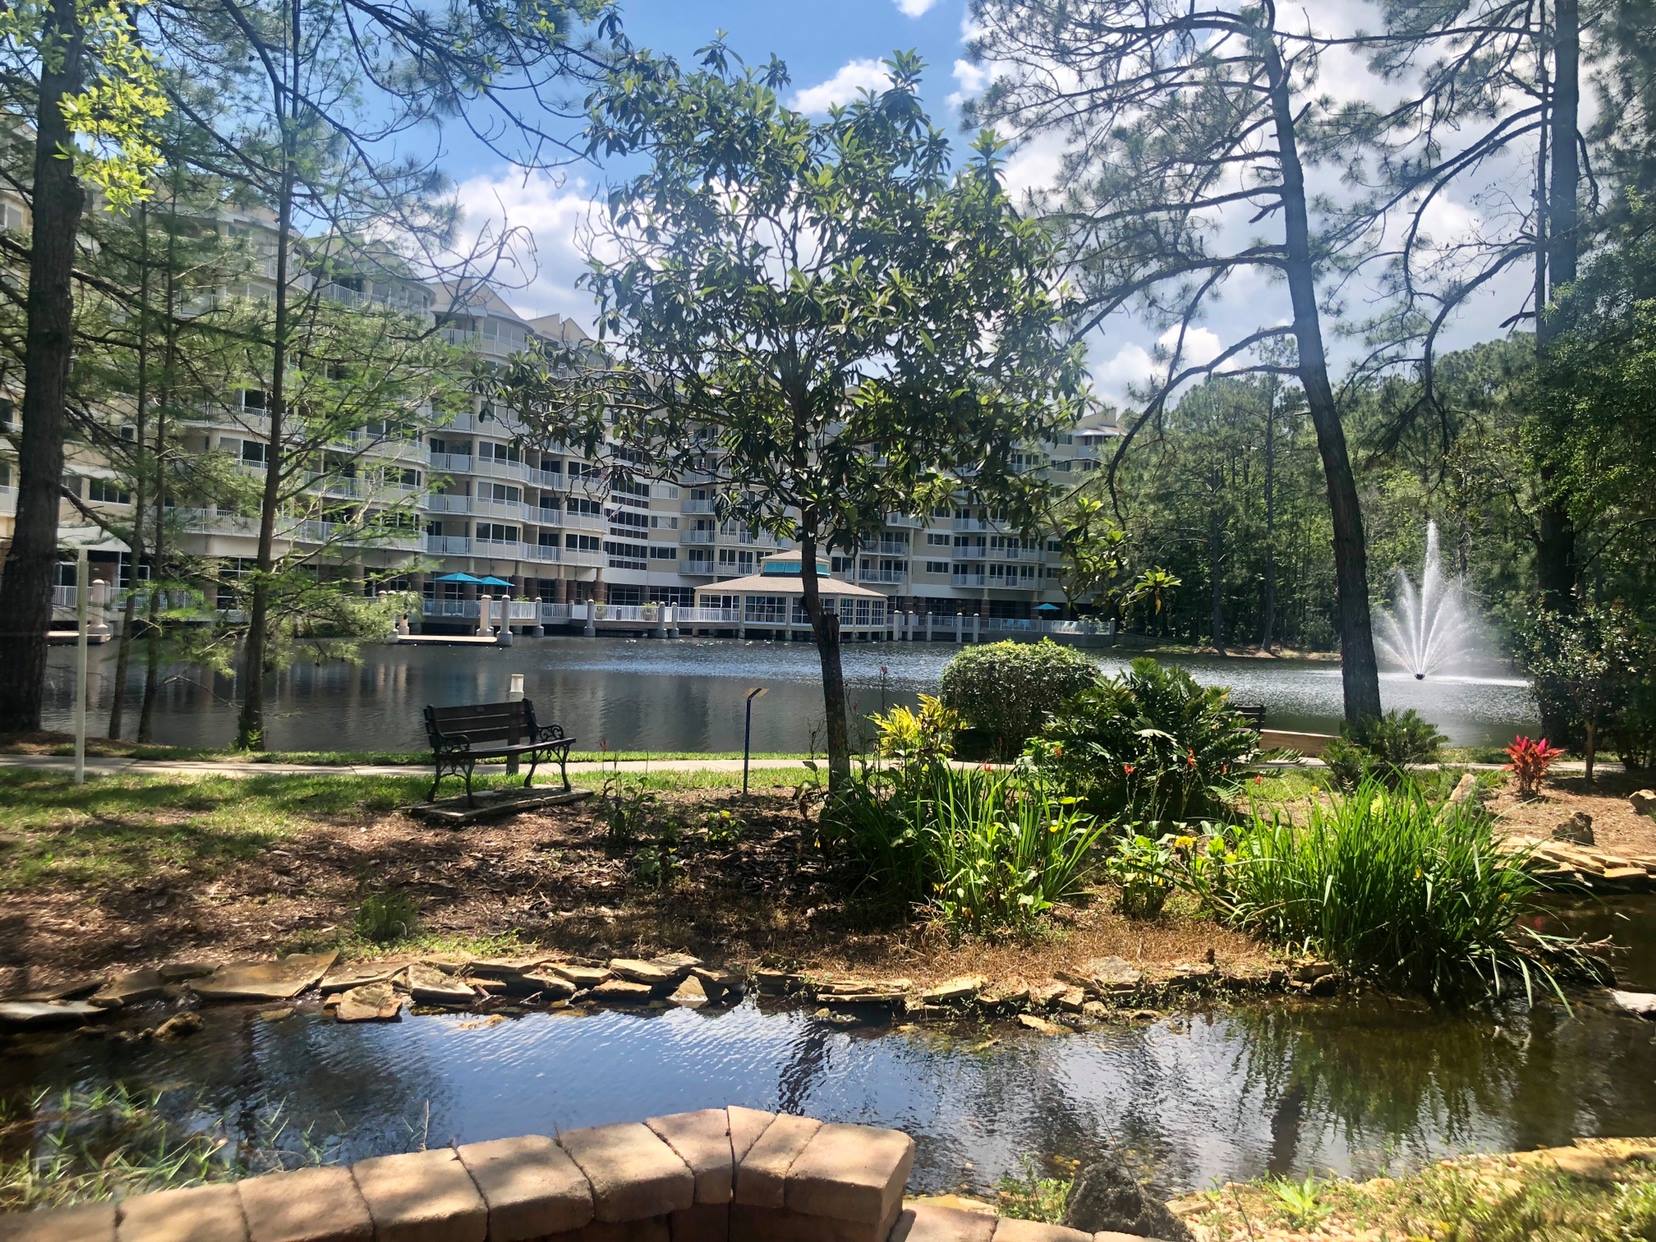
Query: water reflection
(1288, 1089)
(643, 694)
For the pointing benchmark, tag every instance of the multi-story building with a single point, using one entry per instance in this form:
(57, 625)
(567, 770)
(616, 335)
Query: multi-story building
(495, 503)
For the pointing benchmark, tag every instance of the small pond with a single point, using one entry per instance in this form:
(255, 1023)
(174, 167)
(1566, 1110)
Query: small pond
(1355, 1086)
(686, 694)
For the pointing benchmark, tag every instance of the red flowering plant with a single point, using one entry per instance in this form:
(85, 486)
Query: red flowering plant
(1528, 760)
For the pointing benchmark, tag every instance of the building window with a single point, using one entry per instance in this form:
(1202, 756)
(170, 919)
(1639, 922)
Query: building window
(255, 452)
(937, 567)
(107, 492)
(496, 532)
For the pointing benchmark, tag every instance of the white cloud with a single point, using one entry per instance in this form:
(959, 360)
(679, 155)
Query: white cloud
(915, 8)
(1200, 345)
(848, 81)
(1129, 365)
(542, 219)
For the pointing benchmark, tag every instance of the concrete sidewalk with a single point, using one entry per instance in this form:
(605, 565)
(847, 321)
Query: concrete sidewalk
(104, 766)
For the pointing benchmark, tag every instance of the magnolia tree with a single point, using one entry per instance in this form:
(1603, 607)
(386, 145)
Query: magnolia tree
(823, 317)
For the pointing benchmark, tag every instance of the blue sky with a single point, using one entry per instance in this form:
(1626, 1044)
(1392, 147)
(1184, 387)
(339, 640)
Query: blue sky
(832, 47)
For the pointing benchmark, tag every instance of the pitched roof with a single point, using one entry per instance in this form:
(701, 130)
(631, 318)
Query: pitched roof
(782, 584)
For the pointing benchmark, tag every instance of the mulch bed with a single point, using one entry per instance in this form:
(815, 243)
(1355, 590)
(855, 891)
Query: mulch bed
(549, 878)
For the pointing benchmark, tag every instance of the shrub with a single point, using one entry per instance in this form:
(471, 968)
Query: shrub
(923, 735)
(1389, 886)
(1383, 748)
(1152, 744)
(385, 917)
(991, 851)
(1004, 689)
(1142, 868)
(1528, 761)
(1591, 671)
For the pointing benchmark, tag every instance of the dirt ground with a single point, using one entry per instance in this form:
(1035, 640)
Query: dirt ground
(549, 879)
(1616, 829)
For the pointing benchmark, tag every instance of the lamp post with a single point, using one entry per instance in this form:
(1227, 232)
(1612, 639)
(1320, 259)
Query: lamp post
(747, 734)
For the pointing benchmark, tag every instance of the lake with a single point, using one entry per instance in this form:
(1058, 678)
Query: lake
(686, 694)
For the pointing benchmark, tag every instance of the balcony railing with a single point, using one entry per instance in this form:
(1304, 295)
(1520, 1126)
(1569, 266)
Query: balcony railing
(451, 463)
(880, 575)
(448, 502)
(448, 545)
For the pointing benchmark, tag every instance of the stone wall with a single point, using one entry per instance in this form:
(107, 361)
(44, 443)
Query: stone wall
(718, 1175)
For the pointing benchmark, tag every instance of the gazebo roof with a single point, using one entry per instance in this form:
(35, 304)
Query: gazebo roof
(783, 584)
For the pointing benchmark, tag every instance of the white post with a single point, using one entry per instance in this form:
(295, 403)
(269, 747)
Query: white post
(514, 694)
(977, 627)
(483, 606)
(83, 589)
(960, 627)
(100, 609)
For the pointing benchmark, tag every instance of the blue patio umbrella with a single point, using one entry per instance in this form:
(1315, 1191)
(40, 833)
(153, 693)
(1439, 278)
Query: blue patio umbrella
(491, 580)
(1048, 608)
(465, 578)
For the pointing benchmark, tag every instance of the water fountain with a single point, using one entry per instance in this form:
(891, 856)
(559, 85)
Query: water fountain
(1427, 627)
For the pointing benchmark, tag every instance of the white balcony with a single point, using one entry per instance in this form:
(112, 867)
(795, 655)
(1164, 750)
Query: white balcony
(584, 521)
(698, 506)
(968, 577)
(696, 536)
(515, 510)
(447, 502)
(451, 463)
(885, 576)
(448, 545)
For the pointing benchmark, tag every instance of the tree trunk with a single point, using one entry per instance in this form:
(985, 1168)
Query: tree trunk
(1268, 606)
(1215, 559)
(1359, 671)
(250, 722)
(135, 545)
(825, 629)
(164, 396)
(1556, 564)
(26, 586)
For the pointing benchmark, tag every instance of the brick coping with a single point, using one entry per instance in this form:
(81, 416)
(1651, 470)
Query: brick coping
(716, 1175)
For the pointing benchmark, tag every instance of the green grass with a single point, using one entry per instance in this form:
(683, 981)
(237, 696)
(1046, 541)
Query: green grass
(122, 827)
(1475, 1199)
(360, 758)
(1029, 1194)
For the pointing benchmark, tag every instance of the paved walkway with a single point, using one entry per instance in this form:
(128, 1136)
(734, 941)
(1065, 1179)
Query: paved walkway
(104, 766)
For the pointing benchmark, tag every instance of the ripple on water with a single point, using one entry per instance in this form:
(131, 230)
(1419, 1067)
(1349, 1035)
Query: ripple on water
(1190, 1099)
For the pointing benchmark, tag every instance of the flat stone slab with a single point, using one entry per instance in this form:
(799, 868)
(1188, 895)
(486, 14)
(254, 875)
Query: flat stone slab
(422, 1196)
(356, 977)
(953, 991)
(543, 983)
(582, 976)
(635, 970)
(633, 1173)
(24, 1014)
(130, 989)
(622, 992)
(531, 1186)
(372, 1002)
(1040, 1025)
(1110, 974)
(702, 1140)
(282, 979)
(430, 986)
(690, 994)
(1640, 1004)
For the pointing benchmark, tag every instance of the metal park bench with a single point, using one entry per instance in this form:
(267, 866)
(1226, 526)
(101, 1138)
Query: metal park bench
(460, 736)
(1252, 713)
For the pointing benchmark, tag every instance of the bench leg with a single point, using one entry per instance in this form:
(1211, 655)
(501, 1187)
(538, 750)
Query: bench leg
(431, 794)
(470, 801)
(563, 766)
(534, 762)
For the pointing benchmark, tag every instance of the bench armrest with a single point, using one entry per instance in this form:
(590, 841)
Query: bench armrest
(549, 733)
(451, 745)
